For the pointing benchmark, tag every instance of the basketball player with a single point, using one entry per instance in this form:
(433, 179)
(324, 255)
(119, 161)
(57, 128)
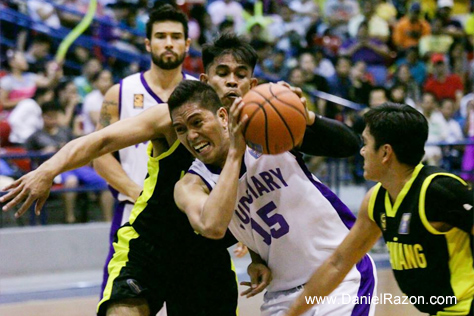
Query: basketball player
(424, 213)
(158, 256)
(271, 203)
(167, 42)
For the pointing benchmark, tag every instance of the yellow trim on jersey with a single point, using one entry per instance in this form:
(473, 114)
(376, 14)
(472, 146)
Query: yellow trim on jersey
(421, 203)
(392, 211)
(122, 247)
(150, 182)
(372, 199)
(232, 267)
(460, 309)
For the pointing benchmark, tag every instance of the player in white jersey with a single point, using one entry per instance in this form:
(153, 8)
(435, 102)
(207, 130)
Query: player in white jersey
(273, 204)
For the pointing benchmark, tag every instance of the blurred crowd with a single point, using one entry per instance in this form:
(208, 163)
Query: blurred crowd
(367, 51)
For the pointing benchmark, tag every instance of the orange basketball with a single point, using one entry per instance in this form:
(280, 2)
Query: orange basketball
(277, 119)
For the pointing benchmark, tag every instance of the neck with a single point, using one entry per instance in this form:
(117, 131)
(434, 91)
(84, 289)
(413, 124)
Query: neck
(164, 78)
(396, 178)
(16, 72)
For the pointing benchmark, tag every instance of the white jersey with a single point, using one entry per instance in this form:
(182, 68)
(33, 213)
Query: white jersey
(135, 97)
(287, 216)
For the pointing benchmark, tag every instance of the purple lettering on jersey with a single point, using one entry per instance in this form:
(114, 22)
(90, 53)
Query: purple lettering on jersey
(267, 177)
(278, 174)
(252, 191)
(259, 186)
(243, 214)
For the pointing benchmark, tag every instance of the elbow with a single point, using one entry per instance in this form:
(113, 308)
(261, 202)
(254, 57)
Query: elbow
(213, 232)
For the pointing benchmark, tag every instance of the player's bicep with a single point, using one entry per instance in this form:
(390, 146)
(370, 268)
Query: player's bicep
(190, 194)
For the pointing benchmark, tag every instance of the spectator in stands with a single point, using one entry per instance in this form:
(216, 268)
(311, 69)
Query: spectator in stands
(437, 128)
(377, 27)
(404, 77)
(276, 64)
(378, 96)
(20, 84)
(38, 54)
(436, 42)
(83, 83)
(450, 26)
(296, 79)
(68, 99)
(338, 13)
(313, 81)
(25, 119)
(101, 81)
(469, 26)
(44, 13)
(465, 100)
(458, 61)
(49, 140)
(410, 28)
(324, 67)
(468, 158)
(341, 85)
(288, 32)
(221, 10)
(369, 50)
(398, 94)
(362, 83)
(454, 134)
(442, 83)
(416, 66)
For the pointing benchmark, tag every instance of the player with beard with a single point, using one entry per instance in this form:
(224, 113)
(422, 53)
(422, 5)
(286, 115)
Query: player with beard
(158, 257)
(167, 42)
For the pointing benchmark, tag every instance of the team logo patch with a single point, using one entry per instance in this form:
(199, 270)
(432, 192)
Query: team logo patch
(404, 228)
(383, 221)
(255, 150)
(138, 101)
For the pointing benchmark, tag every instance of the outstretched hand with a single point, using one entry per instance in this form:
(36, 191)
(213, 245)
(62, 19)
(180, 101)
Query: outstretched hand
(33, 186)
(260, 278)
(236, 126)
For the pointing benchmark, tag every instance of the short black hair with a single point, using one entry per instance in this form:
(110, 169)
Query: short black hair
(51, 106)
(402, 127)
(193, 91)
(166, 12)
(229, 43)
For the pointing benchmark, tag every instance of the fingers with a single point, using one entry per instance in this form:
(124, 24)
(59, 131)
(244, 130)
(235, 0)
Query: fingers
(25, 206)
(10, 195)
(39, 206)
(296, 90)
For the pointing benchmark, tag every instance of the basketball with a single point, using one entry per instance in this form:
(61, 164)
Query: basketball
(276, 119)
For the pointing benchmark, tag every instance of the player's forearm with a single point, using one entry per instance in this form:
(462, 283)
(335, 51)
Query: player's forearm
(111, 170)
(328, 276)
(219, 207)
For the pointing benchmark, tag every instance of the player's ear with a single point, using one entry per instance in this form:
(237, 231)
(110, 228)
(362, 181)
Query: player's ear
(253, 82)
(223, 116)
(387, 152)
(203, 78)
(188, 44)
(147, 45)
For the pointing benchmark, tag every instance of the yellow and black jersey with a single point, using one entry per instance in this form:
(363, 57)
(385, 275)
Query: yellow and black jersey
(427, 262)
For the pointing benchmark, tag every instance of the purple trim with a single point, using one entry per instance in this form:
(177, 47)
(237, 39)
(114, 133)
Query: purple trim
(116, 223)
(120, 99)
(342, 210)
(367, 286)
(114, 192)
(148, 89)
(207, 183)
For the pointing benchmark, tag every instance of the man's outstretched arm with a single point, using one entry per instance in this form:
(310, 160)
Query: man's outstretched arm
(35, 186)
(332, 272)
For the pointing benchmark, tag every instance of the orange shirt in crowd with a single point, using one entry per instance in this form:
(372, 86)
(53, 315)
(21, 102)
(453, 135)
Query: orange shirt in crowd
(407, 34)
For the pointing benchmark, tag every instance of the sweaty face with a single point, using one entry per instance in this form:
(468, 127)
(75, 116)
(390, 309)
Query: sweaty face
(202, 132)
(229, 78)
(371, 156)
(167, 46)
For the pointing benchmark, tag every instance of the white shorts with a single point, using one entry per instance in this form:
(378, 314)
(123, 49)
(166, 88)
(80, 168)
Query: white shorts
(341, 302)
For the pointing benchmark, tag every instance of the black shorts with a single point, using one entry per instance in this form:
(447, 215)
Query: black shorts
(190, 283)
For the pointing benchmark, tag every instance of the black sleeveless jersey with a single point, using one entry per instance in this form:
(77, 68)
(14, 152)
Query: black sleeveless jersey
(426, 262)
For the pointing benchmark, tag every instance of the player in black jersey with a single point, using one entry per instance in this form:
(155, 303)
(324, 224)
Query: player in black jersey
(424, 213)
(158, 257)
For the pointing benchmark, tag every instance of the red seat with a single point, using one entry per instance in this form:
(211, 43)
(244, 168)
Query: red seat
(24, 164)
